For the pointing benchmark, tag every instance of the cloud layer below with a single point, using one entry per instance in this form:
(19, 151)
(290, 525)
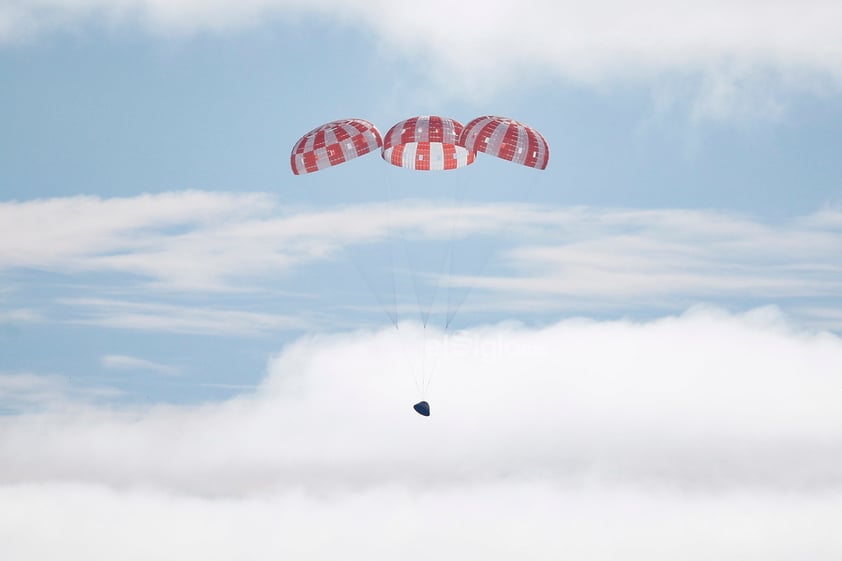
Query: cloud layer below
(720, 432)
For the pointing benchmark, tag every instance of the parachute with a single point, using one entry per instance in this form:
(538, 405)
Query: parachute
(422, 143)
(426, 143)
(507, 139)
(332, 144)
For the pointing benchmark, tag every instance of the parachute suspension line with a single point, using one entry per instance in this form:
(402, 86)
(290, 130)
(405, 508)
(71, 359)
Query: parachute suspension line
(430, 365)
(451, 310)
(424, 374)
(460, 207)
(390, 313)
(411, 361)
(409, 354)
(487, 259)
(386, 297)
(419, 382)
(392, 226)
(444, 271)
(415, 365)
(432, 369)
(445, 274)
(425, 309)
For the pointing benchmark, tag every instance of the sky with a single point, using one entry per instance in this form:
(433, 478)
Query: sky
(635, 353)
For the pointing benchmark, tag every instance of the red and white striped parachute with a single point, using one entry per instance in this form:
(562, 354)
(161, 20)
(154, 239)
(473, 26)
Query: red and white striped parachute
(421, 143)
(507, 139)
(426, 143)
(332, 144)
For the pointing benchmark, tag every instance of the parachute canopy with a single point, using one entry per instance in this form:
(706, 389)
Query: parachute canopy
(426, 143)
(332, 144)
(507, 139)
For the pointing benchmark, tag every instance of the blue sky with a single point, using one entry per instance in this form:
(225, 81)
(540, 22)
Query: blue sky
(174, 301)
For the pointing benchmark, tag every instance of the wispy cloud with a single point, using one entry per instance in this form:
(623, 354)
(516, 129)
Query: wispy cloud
(10, 313)
(620, 255)
(171, 318)
(535, 255)
(26, 391)
(738, 55)
(85, 233)
(19, 315)
(125, 362)
(200, 240)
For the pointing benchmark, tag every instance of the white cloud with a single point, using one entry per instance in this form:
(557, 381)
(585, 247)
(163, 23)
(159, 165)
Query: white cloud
(200, 240)
(170, 318)
(706, 435)
(25, 391)
(19, 315)
(67, 233)
(529, 256)
(125, 362)
(739, 54)
(533, 519)
(612, 256)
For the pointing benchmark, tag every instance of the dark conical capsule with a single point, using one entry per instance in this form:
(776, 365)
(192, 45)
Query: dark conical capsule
(422, 408)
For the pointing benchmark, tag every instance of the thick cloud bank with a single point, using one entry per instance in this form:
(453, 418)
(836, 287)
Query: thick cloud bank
(702, 436)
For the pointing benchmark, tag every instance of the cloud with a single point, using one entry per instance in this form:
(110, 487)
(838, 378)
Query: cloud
(735, 57)
(495, 522)
(26, 391)
(124, 362)
(612, 256)
(199, 240)
(511, 256)
(170, 318)
(15, 315)
(19, 315)
(717, 431)
(73, 233)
